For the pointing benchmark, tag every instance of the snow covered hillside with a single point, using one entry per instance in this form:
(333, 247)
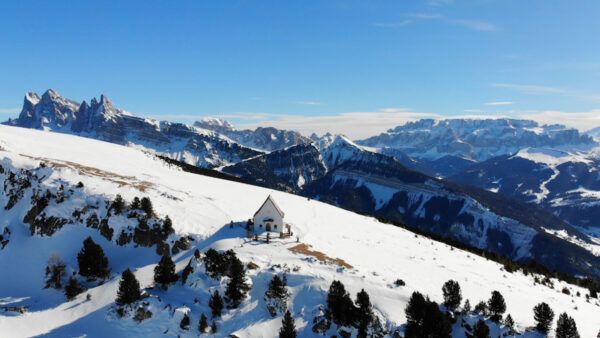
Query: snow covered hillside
(339, 245)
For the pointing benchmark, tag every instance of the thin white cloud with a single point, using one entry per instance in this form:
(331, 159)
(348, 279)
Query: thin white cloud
(439, 3)
(580, 120)
(393, 24)
(499, 103)
(474, 24)
(478, 25)
(473, 111)
(531, 89)
(355, 125)
(543, 90)
(311, 103)
(9, 110)
(425, 16)
(169, 117)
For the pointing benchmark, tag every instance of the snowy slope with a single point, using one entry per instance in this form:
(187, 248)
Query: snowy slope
(203, 207)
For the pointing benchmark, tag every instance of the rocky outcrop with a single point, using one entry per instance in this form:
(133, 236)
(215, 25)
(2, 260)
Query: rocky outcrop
(475, 139)
(267, 138)
(100, 119)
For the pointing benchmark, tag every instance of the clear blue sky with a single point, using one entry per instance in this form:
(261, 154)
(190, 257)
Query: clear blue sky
(252, 61)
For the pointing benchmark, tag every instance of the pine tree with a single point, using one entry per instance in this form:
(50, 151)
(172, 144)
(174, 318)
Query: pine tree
(218, 264)
(168, 225)
(467, 306)
(73, 288)
(135, 204)
(238, 286)
(216, 304)
(146, 205)
(425, 319)
(203, 323)
(481, 330)
(288, 329)
(129, 289)
(185, 322)
(509, 322)
(452, 294)
(118, 204)
(277, 288)
(92, 261)
(481, 308)
(55, 272)
(213, 327)
(543, 315)
(164, 272)
(496, 306)
(364, 313)
(340, 305)
(566, 327)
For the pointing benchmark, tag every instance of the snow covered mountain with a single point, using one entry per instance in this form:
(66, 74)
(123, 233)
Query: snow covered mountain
(267, 139)
(335, 245)
(565, 183)
(100, 119)
(475, 139)
(345, 174)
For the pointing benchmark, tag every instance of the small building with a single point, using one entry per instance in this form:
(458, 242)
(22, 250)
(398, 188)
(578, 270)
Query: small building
(269, 217)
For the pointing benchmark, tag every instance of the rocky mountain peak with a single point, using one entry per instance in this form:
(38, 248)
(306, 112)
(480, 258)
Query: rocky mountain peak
(32, 98)
(213, 123)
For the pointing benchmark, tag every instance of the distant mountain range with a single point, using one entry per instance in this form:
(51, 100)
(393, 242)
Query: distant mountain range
(491, 198)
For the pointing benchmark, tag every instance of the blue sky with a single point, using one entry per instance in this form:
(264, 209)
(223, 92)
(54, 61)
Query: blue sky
(356, 67)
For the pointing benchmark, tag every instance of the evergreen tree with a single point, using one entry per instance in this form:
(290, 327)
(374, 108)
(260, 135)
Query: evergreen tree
(185, 322)
(566, 327)
(92, 261)
(164, 272)
(146, 205)
(288, 329)
(340, 305)
(213, 327)
(218, 264)
(238, 286)
(203, 323)
(496, 306)
(509, 322)
(452, 295)
(481, 308)
(129, 289)
(364, 313)
(425, 319)
(135, 204)
(277, 288)
(118, 204)
(543, 315)
(216, 304)
(55, 272)
(73, 288)
(481, 330)
(168, 225)
(467, 306)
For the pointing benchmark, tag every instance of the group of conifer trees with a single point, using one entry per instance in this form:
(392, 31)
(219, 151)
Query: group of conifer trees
(345, 312)
(425, 319)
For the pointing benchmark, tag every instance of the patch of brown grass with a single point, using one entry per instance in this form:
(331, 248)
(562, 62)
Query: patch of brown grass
(305, 249)
(121, 180)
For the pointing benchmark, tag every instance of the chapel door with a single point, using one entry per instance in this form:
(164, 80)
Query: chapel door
(268, 226)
